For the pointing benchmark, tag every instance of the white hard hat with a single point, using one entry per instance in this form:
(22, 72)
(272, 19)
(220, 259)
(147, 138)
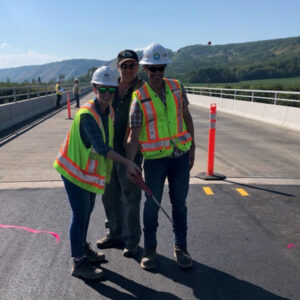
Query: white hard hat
(105, 76)
(155, 54)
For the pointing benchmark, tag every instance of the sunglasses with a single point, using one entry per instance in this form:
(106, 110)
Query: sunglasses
(154, 69)
(103, 90)
(129, 66)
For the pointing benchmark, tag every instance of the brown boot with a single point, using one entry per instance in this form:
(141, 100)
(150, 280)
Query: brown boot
(130, 251)
(83, 269)
(109, 242)
(93, 256)
(148, 261)
(183, 258)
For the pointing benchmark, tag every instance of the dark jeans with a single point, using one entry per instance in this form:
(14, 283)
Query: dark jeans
(177, 171)
(121, 202)
(58, 99)
(82, 203)
(77, 100)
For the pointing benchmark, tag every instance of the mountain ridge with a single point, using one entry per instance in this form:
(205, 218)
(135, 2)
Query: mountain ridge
(192, 63)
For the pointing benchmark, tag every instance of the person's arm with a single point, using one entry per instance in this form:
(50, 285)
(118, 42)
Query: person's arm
(92, 135)
(190, 128)
(132, 168)
(135, 122)
(132, 146)
(132, 143)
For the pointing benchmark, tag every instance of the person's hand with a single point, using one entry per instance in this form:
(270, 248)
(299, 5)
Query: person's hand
(133, 171)
(192, 156)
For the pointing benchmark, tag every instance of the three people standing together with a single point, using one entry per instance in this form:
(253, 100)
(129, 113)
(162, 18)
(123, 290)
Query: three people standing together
(152, 122)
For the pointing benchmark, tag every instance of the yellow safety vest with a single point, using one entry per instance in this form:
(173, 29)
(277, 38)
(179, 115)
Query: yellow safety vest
(85, 167)
(57, 89)
(163, 127)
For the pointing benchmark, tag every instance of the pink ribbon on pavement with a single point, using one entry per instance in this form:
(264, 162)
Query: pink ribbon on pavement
(56, 235)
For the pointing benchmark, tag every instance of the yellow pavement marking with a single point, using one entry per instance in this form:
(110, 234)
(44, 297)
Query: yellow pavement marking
(208, 190)
(242, 192)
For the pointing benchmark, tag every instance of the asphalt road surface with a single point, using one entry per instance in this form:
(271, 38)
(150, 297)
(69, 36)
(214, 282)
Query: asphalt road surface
(244, 232)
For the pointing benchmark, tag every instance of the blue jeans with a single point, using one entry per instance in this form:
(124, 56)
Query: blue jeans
(177, 170)
(82, 203)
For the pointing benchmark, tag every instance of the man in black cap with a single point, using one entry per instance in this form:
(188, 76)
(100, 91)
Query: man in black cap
(76, 91)
(122, 198)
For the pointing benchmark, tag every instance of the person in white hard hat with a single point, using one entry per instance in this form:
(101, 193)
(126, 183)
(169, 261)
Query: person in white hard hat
(162, 127)
(85, 163)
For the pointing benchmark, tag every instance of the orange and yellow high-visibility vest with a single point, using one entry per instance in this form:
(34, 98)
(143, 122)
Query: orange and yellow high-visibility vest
(84, 166)
(163, 126)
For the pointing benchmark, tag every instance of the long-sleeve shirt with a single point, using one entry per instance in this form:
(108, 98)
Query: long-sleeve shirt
(90, 132)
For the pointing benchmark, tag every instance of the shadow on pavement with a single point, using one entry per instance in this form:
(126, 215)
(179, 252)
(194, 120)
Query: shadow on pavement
(207, 284)
(259, 188)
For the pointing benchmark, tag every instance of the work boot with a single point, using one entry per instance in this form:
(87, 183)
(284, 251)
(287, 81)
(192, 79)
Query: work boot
(93, 256)
(148, 261)
(108, 242)
(183, 258)
(130, 251)
(83, 269)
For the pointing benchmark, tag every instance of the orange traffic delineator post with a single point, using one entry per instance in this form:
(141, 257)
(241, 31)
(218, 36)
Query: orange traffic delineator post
(210, 175)
(69, 105)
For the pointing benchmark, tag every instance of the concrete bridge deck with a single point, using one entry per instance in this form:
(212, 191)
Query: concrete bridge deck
(244, 233)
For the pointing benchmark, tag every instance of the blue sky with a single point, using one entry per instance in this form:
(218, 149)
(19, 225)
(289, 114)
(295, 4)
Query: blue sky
(41, 31)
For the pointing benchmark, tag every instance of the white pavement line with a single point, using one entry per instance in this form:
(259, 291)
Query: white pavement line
(30, 185)
(14, 185)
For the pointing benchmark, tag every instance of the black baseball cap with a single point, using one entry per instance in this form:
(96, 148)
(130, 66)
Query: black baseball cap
(127, 55)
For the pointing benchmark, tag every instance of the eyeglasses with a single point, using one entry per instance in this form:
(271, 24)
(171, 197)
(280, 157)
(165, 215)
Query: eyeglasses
(129, 66)
(154, 69)
(103, 90)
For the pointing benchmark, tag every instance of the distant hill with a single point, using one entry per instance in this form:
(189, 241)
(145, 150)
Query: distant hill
(276, 58)
(68, 68)
(232, 62)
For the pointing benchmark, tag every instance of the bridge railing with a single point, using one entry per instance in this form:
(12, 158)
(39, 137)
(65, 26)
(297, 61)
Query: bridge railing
(263, 96)
(15, 94)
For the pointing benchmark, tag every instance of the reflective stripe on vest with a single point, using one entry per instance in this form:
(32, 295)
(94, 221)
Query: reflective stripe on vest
(155, 145)
(175, 88)
(185, 136)
(149, 113)
(74, 171)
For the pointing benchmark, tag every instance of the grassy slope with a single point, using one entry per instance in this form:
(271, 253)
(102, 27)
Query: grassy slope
(291, 83)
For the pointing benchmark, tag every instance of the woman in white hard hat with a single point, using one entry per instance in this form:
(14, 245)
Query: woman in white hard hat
(85, 162)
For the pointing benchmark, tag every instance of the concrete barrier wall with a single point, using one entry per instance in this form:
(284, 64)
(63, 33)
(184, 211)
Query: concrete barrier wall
(12, 114)
(284, 116)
